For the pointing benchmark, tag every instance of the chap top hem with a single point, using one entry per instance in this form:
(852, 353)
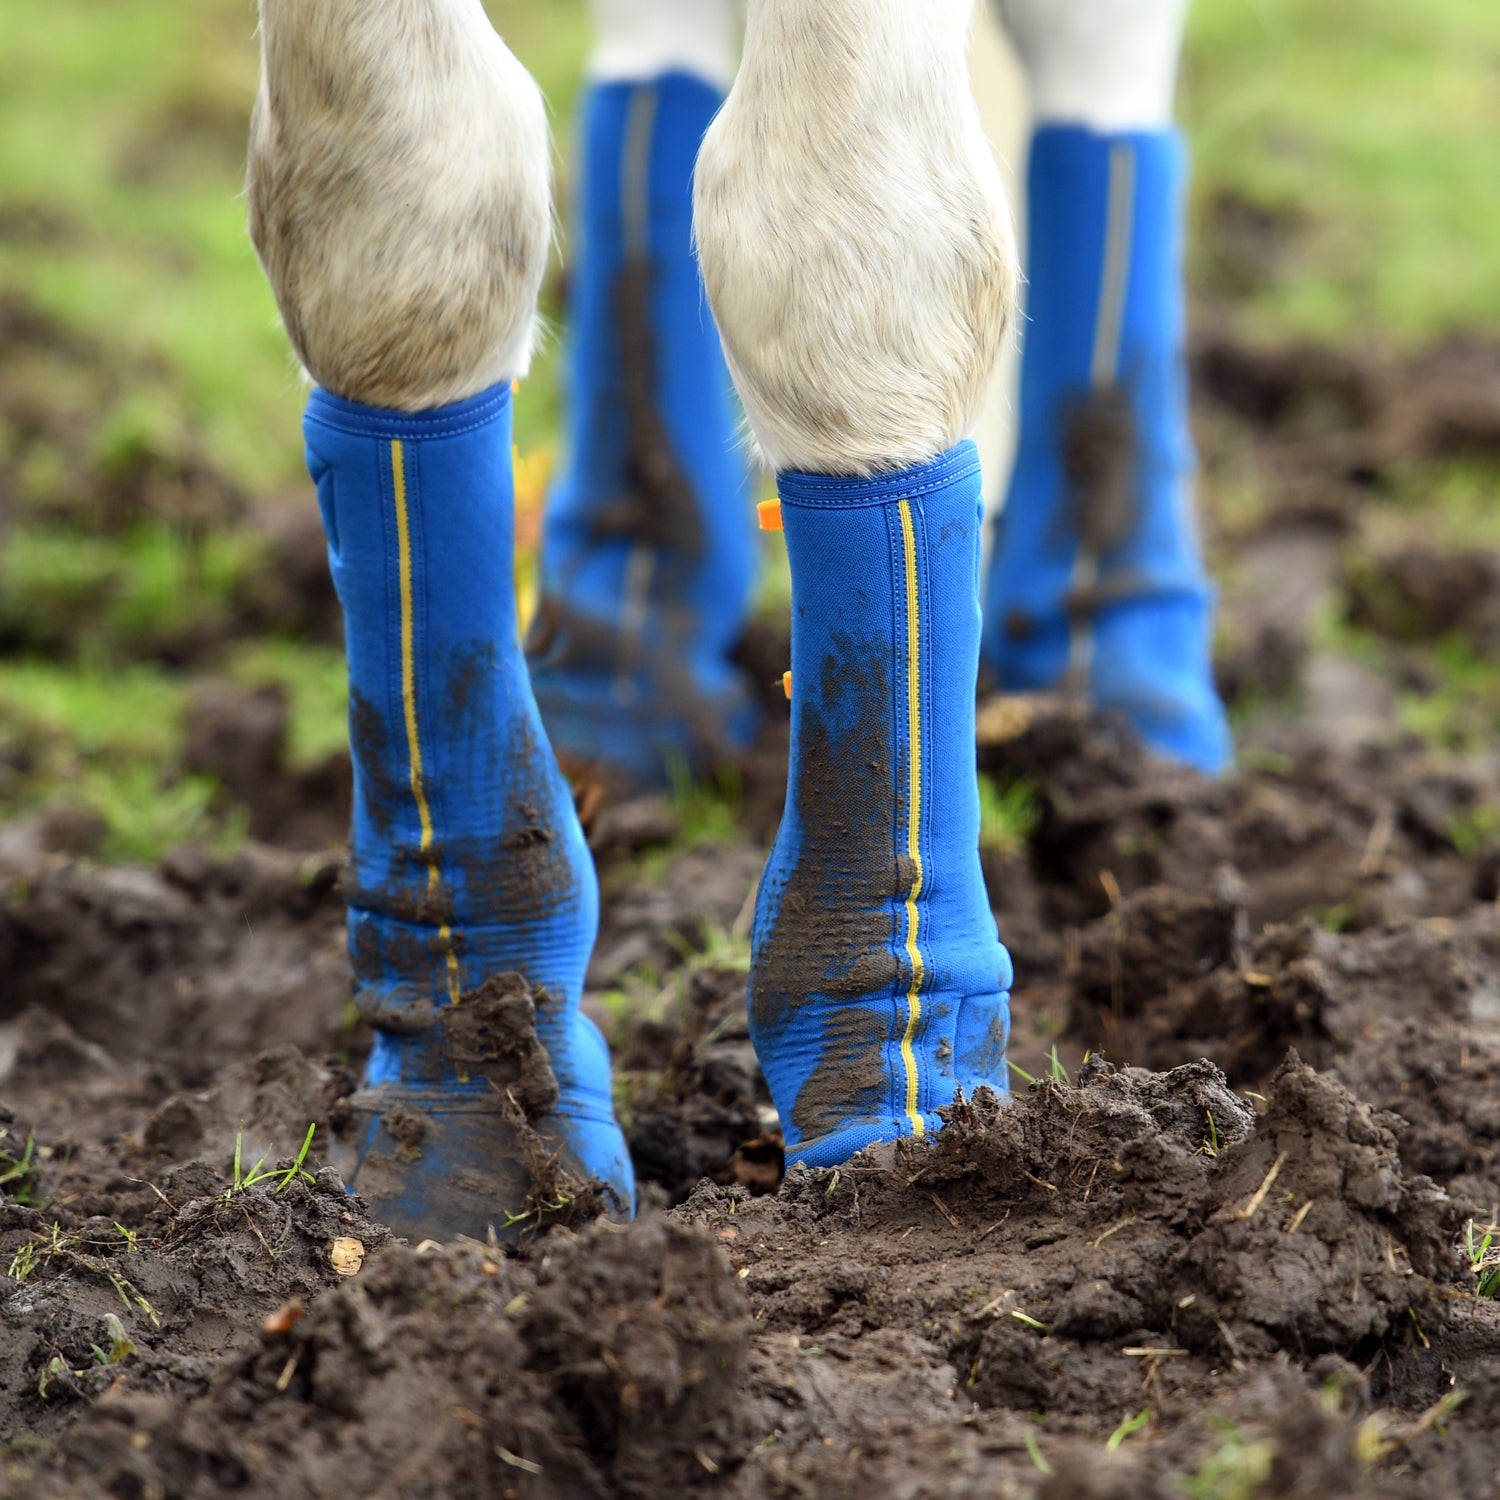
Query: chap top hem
(328, 410)
(832, 491)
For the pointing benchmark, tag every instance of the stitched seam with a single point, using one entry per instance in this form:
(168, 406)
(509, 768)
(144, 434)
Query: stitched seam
(825, 491)
(392, 426)
(409, 699)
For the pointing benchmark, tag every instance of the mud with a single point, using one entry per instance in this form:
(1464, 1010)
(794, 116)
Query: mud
(1222, 1256)
(829, 914)
(496, 1026)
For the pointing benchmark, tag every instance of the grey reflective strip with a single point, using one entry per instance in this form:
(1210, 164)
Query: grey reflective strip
(1109, 332)
(635, 214)
(1109, 328)
(635, 173)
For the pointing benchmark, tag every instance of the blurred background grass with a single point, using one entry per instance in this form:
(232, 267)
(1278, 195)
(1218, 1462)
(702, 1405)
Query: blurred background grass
(150, 466)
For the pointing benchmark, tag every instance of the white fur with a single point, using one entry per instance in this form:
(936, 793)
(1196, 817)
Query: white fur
(400, 196)
(854, 235)
(1108, 64)
(640, 39)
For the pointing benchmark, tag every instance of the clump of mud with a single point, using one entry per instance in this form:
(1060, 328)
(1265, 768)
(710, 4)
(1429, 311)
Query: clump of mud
(1258, 1297)
(1140, 1242)
(607, 1366)
(93, 1305)
(698, 1103)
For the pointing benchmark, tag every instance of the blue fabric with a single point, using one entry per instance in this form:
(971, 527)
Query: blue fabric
(649, 544)
(1097, 581)
(878, 985)
(466, 856)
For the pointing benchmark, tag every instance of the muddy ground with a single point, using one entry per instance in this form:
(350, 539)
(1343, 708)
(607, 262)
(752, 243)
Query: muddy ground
(1223, 1256)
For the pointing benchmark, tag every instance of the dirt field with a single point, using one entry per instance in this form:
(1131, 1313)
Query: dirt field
(1221, 1254)
(1231, 1244)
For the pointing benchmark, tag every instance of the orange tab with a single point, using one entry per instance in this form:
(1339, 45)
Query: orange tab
(786, 685)
(769, 512)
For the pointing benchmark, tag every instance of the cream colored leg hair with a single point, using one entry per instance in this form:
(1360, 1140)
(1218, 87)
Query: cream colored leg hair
(400, 196)
(854, 235)
(1107, 64)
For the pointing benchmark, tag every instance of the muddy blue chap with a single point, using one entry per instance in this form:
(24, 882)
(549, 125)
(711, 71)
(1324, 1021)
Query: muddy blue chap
(879, 987)
(648, 552)
(466, 859)
(1097, 583)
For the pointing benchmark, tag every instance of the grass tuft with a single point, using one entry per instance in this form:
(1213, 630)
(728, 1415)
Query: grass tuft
(1009, 813)
(1482, 1252)
(259, 1174)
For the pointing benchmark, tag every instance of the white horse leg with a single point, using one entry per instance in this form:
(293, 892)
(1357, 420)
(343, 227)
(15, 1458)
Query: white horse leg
(857, 252)
(854, 237)
(400, 196)
(399, 199)
(1108, 64)
(637, 40)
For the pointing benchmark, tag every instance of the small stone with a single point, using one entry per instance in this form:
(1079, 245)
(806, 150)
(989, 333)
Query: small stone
(347, 1255)
(282, 1320)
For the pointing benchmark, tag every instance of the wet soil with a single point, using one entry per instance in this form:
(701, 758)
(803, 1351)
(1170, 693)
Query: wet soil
(1246, 1224)
(1222, 1254)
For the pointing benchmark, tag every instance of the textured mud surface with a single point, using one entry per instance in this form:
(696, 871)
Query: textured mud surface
(1240, 1237)
(1225, 1256)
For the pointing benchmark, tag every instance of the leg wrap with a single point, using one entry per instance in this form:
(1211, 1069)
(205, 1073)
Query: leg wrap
(1097, 583)
(649, 547)
(466, 858)
(879, 987)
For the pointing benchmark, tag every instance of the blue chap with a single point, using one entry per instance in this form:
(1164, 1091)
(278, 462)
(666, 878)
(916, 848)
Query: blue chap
(466, 860)
(1097, 584)
(879, 987)
(649, 547)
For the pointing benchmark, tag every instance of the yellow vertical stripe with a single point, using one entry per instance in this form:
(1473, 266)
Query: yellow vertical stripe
(409, 700)
(914, 814)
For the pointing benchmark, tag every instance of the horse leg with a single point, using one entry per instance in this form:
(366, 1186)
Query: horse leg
(400, 203)
(858, 256)
(648, 550)
(1097, 583)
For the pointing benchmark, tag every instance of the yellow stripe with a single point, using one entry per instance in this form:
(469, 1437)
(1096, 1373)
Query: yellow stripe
(409, 700)
(914, 815)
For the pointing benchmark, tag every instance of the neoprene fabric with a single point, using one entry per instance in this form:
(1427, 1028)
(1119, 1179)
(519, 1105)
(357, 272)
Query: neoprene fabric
(649, 548)
(1097, 581)
(879, 986)
(467, 860)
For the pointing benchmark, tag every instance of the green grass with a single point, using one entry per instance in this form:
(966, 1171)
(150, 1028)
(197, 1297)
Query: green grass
(1008, 814)
(1462, 713)
(243, 1179)
(125, 124)
(1235, 1470)
(18, 1168)
(1371, 127)
(156, 585)
(1365, 131)
(107, 741)
(1482, 1251)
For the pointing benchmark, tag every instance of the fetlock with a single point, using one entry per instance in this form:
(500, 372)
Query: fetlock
(879, 988)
